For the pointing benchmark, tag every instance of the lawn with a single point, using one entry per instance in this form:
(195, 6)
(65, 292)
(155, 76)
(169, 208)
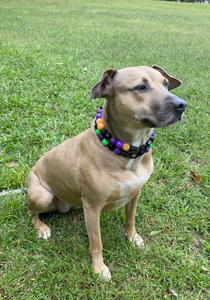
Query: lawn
(52, 53)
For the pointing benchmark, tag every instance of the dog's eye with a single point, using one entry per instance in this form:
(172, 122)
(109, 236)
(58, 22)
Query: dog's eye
(166, 83)
(141, 87)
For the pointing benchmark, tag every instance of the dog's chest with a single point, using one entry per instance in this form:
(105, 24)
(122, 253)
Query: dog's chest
(129, 188)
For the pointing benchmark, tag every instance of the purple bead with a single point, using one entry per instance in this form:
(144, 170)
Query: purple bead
(119, 144)
(117, 150)
(95, 121)
(147, 149)
(153, 133)
(101, 137)
(113, 141)
(98, 116)
(100, 111)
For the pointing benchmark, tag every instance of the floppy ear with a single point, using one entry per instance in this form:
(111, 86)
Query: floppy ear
(173, 82)
(104, 87)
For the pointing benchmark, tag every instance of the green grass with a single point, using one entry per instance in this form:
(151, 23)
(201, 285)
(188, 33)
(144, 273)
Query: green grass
(52, 52)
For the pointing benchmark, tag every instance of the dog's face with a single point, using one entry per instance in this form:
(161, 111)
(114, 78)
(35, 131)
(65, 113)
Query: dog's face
(140, 96)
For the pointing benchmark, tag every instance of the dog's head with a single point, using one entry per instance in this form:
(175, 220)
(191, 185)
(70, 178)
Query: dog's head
(140, 95)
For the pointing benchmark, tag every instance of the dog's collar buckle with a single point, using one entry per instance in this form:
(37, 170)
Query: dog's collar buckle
(136, 152)
(118, 146)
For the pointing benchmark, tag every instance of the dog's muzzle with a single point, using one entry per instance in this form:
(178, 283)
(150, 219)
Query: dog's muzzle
(179, 105)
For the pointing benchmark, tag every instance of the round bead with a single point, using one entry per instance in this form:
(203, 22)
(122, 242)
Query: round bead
(117, 150)
(126, 147)
(98, 131)
(101, 126)
(99, 121)
(104, 131)
(111, 147)
(101, 137)
(147, 149)
(153, 133)
(100, 111)
(113, 141)
(98, 116)
(119, 144)
(105, 142)
(95, 126)
(150, 146)
(108, 136)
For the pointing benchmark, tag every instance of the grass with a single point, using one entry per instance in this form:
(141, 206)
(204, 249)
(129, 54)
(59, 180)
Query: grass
(52, 52)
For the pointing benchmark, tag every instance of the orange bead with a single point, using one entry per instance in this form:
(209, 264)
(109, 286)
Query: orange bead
(126, 147)
(100, 126)
(99, 121)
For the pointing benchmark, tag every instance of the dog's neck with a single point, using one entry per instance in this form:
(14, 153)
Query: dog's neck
(122, 130)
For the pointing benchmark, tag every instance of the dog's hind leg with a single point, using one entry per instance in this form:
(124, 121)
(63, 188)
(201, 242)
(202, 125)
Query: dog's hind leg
(40, 200)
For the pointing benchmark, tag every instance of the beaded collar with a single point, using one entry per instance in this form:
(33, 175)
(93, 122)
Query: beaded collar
(116, 145)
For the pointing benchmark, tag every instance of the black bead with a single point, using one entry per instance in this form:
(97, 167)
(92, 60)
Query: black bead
(125, 153)
(104, 131)
(108, 136)
(101, 107)
(111, 147)
(149, 142)
(95, 126)
(133, 148)
(152, 138)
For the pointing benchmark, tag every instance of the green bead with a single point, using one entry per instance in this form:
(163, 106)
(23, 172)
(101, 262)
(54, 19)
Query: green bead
(98, 131)
(105, 142)
(150, 146)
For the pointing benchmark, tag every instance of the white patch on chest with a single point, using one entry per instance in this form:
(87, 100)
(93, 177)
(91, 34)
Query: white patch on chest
(129, 189)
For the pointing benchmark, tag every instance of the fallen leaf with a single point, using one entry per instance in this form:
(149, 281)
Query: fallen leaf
(204, 269)
(12, 164)
(155, 232)
(195, 177)
(173, 293)
(184, 115)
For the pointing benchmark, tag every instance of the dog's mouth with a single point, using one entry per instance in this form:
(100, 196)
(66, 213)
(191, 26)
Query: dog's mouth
(164, 114)
(150, 122)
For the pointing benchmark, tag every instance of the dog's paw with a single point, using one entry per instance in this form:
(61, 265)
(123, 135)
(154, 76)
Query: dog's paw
(136, 241)
(105, 275)
(44, 232)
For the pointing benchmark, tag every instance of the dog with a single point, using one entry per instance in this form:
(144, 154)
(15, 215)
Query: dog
(105, 167)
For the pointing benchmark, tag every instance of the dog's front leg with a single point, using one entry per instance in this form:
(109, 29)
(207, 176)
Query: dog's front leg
(130, 230)
(92, 221)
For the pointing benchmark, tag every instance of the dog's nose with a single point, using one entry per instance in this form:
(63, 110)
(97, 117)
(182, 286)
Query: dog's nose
(179, 104)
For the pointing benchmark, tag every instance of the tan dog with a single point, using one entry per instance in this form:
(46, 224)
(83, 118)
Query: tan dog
(83, 172)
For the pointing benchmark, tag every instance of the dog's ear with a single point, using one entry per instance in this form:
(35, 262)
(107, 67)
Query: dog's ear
(173, 82)
(104, 88)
